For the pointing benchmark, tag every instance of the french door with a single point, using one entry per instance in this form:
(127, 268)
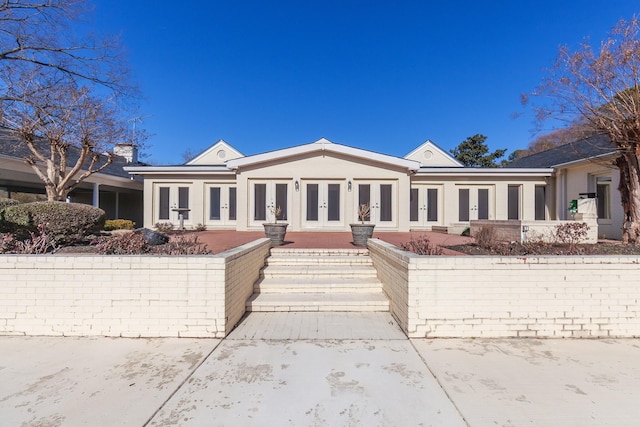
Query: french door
(222, 206)
(474, 202)
(323, 205)
(425, 205)
(270, 201)
(381, 198)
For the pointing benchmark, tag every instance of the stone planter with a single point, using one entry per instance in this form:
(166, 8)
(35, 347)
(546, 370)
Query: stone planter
(361, 233)
(275, 232)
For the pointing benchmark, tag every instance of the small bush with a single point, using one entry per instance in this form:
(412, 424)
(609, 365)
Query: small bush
(118, 224)
(571, 233)
(135, 244)
(486, 237)
(164, 227)
(38, 242)
(122, 244)
(183, 245)
(64, 222)
(421, 246)
(200, 227)
(466, 232)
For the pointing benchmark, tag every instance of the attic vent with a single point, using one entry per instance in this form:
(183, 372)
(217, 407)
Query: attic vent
(222, 154)
(428, 154)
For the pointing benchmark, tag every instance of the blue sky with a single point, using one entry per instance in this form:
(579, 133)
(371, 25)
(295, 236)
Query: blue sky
(379, 75)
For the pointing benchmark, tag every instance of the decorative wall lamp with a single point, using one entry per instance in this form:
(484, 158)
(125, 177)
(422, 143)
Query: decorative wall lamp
(349, 185)
(297, 185)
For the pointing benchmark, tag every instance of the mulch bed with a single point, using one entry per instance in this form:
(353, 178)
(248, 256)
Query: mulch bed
(601, 248)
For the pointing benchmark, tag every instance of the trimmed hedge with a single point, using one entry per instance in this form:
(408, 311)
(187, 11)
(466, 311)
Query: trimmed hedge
(118, 224)
(5, 203)
(64, 222)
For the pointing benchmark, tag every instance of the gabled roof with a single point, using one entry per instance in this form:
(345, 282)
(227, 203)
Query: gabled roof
(217, 154)
(587, 148)
(320, 145)
(429, 154)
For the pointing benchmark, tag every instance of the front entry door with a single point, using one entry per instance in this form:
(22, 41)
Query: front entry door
(322, 204)
(381, 197)
(222, 205)
(475, 203)
(269, 198)
(425, 206)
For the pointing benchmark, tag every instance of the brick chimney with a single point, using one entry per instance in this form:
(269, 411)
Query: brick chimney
(127, 151)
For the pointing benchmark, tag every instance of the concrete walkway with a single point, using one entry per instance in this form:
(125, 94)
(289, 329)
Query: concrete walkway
(313, 369)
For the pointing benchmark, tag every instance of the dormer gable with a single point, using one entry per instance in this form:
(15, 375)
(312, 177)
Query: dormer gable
(218, 154)
(430, 155)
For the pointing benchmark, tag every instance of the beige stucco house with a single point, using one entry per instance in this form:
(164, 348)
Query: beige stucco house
(319, 186)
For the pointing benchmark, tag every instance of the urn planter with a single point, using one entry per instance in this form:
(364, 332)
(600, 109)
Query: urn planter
(275, 232)
(361, 233)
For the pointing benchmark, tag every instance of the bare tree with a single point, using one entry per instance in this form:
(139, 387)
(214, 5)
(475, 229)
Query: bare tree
(62, 97)
(600, 88)
(67, 132)
(40, 34)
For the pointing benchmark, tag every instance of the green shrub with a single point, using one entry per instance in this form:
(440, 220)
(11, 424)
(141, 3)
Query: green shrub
(5, 203)
(118, 224)
(64, 222)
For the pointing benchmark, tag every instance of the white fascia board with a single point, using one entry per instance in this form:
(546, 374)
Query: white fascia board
(497, 172)
(324, 145)
(588, 159)
(177, 170)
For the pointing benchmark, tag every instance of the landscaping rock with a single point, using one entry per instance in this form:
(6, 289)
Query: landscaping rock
(153, 237)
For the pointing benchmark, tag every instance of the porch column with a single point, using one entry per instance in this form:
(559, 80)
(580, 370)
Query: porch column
(96, 195)
(117, 212)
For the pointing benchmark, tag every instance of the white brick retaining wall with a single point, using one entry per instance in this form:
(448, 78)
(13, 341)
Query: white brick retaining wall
(487, 296)
(128, 296)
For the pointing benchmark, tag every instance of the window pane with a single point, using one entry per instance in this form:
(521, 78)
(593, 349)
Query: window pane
(333, 200)
(260, 202)
(513, 202)
(214, 203)
(413, 205)
(603, 201)
(541, 211)
(163, 211)
(364, 198)
(183, 200)
(483, 203)
(281, 200)
(432, 204)
(463, 204)
(232, 203)
(385, 202)
(312, 202)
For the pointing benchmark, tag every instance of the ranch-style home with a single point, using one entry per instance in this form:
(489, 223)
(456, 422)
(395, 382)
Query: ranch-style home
(319, 187)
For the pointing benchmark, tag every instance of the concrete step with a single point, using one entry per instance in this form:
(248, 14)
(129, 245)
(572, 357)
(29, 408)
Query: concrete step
(319, 252)
(314, 271)
(304, 284)
(341, 260)
(370, 301)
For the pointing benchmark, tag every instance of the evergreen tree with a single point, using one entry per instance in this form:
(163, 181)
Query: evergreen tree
(474, 153)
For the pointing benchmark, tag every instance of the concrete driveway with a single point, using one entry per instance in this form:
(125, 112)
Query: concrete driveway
(312, 369)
